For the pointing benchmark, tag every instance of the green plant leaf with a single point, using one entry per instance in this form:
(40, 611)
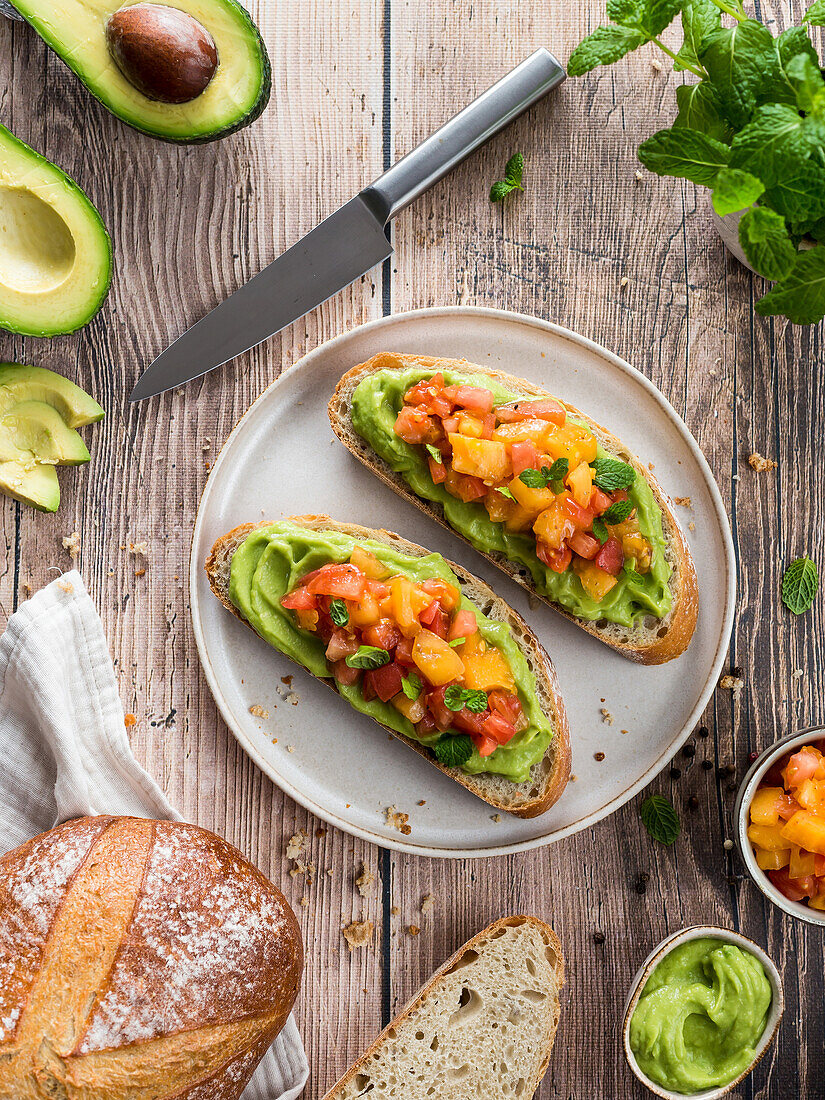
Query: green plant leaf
(764, 237)
(743, 65)
(610, 474)
(628, 12)
(800, 295)
(699, 19)
(514, 171)
(500, 190)
(735, 190)
(800, 585)
(599, 530)
(505, 492)
(815, 15)
(452, 752)
(457, 697)
(686, 153)
(655, 15)
(604, 46)
(434, 453)
(338, 612)
(791, 43)
(369, 657)
(618, 512)
(536, 479)
(660, 819)
(411, 685)
(699, 110)
(806, 80)
(799, 196)
(772, 140)
(559, 470)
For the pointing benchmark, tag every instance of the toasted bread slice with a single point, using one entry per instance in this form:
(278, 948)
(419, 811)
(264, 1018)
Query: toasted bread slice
(549, 776)
(651, 642)
(483, 1026)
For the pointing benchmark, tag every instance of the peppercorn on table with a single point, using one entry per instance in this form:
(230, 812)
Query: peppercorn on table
(593, 243)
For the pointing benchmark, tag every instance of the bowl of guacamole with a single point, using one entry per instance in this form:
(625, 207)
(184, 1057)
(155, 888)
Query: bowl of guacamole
(702, 1010)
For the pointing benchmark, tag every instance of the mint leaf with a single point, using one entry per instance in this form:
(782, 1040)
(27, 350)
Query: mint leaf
(369, 657)
(600, 531)
(505, 492)
(456, 642)
(743, 66)
(499, 191)
(699, 110)
(815, 15)
(514, 171)
(733, 190)
(794, 41)
(536, 479)
(800, 585)
(686, 153)
(800, 295)
(434, 453)
(338, 612)
(610, 474)
(632, 575)
(604, 46)
(660, 819)
(457, 697)
(411, 685)
(772, 139)
(806, 80)
(699, 19)
(452, 752)
(618, 512)
(799, 196)
(764, 237)
(559, 470)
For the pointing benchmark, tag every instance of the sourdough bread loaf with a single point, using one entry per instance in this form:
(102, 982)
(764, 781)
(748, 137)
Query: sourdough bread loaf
(139, 960)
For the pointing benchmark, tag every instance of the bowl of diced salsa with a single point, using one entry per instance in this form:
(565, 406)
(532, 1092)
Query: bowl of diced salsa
(780, 820)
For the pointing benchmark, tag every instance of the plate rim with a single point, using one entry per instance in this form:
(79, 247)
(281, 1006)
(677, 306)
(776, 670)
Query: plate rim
(619, 800)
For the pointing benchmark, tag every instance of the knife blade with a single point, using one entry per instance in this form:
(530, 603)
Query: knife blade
(349, 242)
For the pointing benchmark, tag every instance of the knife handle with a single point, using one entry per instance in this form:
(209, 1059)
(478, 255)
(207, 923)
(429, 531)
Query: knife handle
(463, 134)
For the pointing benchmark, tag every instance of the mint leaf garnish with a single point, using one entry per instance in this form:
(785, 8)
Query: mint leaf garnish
(457, 697)
(513, 176)
(800, 585)
(338, 612)
(611, 474)
(452, 752)
(764, 237)
(369, 657)
(411, 685)
(618, 512)
(660, 819)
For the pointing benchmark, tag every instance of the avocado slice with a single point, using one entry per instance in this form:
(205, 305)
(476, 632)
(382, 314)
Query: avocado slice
(55, 253)
(237, 94)
(35, 485)
(36, 432)
(19, 382)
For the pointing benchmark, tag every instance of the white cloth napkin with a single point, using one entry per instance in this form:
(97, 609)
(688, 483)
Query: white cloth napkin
(64, 753)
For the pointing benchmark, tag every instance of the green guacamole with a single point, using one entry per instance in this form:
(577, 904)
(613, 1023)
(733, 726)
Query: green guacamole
(700, 1016)
(271, 561)
(375, 405)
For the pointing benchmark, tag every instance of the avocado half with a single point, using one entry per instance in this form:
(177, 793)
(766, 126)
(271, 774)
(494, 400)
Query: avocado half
(55, 253)
(39, 412)
(236, 96)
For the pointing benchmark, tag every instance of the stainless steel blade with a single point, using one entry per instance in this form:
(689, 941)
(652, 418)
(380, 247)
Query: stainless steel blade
(330, 257)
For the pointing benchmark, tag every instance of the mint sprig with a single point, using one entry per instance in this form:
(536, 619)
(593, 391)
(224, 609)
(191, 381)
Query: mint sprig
(368, 657)
(618, 512)
(611, 474)
(660, 819)
(338, 612)
(452, 752)
(800, 585)
(513, 176)
(411, 685)
(457, 697)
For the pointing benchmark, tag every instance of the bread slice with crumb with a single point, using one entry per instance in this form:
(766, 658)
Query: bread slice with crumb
(549, 776)
(651, 641)
(483, 1026)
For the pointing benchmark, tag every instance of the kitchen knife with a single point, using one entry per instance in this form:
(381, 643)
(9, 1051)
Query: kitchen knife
(350, 241)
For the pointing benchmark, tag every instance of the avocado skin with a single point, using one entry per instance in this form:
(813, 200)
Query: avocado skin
(253, 114)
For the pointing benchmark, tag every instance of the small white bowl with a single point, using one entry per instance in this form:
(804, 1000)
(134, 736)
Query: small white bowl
(741, 810)
(647, 968)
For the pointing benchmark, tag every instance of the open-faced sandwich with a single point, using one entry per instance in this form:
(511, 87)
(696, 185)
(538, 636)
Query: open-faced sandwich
(539, 488)
(413, 641)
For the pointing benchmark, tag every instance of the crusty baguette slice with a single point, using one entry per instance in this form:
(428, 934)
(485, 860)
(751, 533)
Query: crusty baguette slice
(483, 1026)
(653, 641)
(550, 775)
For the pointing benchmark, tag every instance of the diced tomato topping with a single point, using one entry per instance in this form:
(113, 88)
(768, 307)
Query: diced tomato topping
(429, 395)
(300, 599)
(497, 727)
(427, 725)
(403, 651)
(582, 517)
(463, 625)
(341, 644)
(468, 722)
(415, 426)
(525, 456)
(474, 399)
(385, 682)
(469, 488)
(506, 704)
(611, 557)
(446, 594)
(344, 674)
(486, 745)
(599, 501)
(586, 546)
(618, 494)
(488, 424)
(545, 409)
(435, 618)
(450, 424)
(801, 766)
(342, 581)
(557, 560)
(792, 888)
(438, 471)
(384, 634)
(442, 716)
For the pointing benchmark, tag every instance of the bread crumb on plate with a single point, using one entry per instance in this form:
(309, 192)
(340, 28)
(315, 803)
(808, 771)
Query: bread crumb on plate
(398, 820)
(607, 717)
(683, 502)
(258, 711)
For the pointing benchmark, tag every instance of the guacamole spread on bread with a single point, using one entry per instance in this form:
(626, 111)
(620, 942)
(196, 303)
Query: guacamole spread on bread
(523, 478)
(399, 639)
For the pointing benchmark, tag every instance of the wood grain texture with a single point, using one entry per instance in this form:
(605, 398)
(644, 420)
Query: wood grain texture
(356, 85)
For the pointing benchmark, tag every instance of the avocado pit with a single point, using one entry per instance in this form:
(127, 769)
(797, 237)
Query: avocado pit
(163, 52)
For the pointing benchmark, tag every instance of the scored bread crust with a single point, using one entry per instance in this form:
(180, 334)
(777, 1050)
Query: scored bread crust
(648, 643)
(549, 776)
(476, 944)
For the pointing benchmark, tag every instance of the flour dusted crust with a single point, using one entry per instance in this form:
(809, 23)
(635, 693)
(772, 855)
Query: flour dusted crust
(652, 641)
(139, 955)
(550, 775)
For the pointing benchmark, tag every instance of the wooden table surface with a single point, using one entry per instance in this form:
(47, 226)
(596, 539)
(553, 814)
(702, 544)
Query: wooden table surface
(357, 84)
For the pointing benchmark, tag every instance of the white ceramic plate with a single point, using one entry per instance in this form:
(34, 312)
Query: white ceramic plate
(282, 459)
